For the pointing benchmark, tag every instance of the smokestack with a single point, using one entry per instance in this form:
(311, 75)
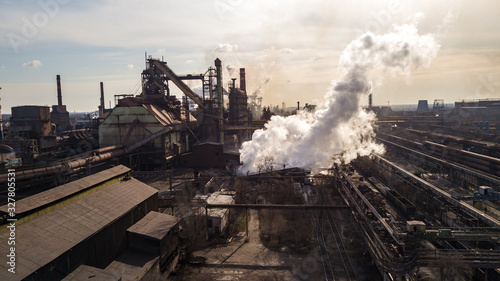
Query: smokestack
(234, 84)
(220, 97)
(59, 94)
(101, 107)
(298, 105)
(370, 101)
(243, 85)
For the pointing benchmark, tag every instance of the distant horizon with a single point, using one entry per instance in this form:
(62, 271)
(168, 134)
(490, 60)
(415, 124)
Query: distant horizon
(400, 106)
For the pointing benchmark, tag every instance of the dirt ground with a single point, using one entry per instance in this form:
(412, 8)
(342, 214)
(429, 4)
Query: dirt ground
(248, 259)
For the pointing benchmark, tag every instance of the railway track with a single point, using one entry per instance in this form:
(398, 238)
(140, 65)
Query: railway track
(323, 248)
(485, 168)
(436, 191)
(337, 263)
(389, 263)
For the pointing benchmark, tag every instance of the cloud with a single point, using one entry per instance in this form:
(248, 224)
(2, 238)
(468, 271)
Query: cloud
(225, 48)
(286, 51)
(189, 61)
(32, 64)
(130, 66)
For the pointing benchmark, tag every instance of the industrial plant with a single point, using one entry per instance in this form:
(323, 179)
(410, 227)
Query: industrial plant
(156, 188)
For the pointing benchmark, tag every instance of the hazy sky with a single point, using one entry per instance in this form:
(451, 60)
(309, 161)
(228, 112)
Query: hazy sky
(290, 48)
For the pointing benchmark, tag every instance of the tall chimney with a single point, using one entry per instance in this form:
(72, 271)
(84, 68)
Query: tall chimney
(59, 94)
(298, 105)
(101, 107)
(220, 97)
(243, 85)
(370, 101)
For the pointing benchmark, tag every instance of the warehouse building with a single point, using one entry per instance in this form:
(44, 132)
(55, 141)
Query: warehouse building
(154, 248)
(60, 230)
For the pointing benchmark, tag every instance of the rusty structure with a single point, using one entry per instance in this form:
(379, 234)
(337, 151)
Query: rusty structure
(239, 116)
(238, 102)
(153, 129)
(195, 120)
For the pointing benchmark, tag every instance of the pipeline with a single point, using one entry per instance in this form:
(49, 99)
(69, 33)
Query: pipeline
(100, 155)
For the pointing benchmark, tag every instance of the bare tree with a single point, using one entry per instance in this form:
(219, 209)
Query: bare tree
(266, 165)
(452, 268)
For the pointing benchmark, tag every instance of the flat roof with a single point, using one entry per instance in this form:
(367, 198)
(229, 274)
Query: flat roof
(154, 224)
(415, 223)
(48, 197)
(41, 240)
(219, 197)
(132, 265)
(86, 273)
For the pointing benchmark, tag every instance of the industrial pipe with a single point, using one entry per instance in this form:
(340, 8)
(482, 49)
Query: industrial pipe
(99, 155)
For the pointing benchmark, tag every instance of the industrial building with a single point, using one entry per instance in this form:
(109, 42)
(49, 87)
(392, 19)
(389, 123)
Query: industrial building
(82, 222)
(31, 122)
(152, 112)
(102, 220)
(32, 126)
(155, 109)
(479, 110)
(85, 272)
(238, 102)
(217, 219)
(154, 248)
(132, 121)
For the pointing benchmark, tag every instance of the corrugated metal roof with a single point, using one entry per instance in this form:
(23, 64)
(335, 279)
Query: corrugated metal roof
(133, 265)
(155, 225)
(85, 273)
(44, 238)
(44, 199)
(164, 117)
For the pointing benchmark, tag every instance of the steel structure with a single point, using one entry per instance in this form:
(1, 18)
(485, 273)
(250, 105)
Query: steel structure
(99, 155)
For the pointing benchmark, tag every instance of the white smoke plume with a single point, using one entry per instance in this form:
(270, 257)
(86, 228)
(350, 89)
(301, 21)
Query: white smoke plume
(340, 130)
